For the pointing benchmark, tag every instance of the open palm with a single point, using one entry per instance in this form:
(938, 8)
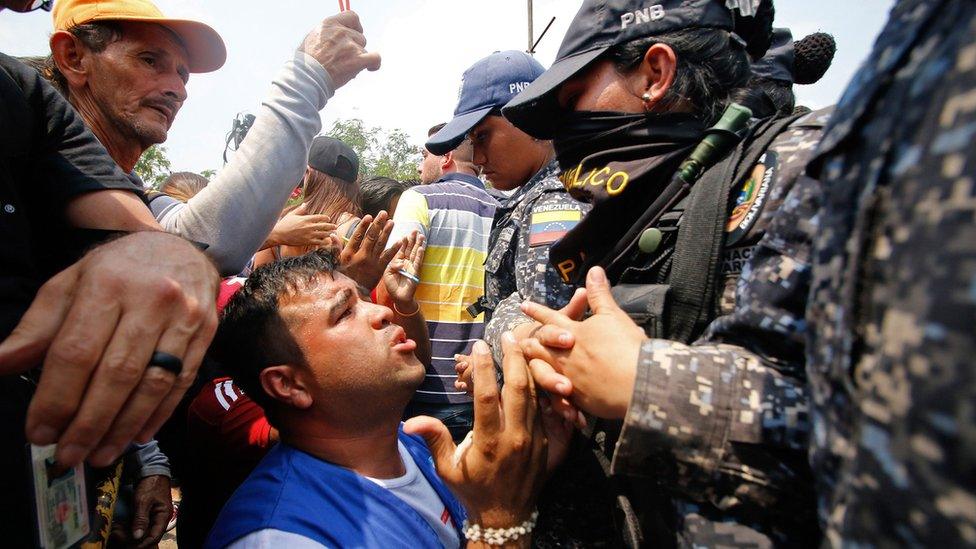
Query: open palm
(409, 259)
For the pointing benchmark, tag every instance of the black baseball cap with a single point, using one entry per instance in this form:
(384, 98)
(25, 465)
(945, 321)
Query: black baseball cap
(333, 157)
(598, 26)
(778, 62)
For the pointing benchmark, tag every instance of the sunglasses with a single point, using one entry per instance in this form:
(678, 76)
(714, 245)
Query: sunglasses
(45, 5)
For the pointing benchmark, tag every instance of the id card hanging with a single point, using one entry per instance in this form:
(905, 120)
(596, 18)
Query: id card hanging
(60, 500)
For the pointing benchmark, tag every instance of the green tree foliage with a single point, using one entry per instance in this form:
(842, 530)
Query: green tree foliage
(386, 153)
(381, 152)
(153, 166)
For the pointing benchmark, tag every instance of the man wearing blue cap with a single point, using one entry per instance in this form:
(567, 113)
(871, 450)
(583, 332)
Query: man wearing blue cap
(538, 213)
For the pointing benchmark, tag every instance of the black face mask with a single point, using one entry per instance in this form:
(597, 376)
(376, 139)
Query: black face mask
(620, 163)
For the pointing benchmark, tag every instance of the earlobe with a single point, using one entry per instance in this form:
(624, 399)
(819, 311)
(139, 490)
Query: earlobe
(69, 58)
(657, 74)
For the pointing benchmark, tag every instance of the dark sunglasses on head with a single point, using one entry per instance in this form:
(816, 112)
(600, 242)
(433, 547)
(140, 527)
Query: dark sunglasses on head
(24, 7)
(45, 5)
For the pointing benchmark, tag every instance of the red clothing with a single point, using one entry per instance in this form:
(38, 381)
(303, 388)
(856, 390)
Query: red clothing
(228, 287)
(227, 435)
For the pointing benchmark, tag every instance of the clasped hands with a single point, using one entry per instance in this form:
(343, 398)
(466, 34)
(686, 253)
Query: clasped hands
(585, 365)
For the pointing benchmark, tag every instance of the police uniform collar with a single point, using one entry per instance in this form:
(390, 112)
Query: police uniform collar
(545, 180)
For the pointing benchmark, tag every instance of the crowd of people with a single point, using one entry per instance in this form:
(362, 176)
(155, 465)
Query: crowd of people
(638, 298)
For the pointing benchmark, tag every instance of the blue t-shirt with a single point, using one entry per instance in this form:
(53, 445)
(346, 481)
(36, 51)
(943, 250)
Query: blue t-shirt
(294, 492)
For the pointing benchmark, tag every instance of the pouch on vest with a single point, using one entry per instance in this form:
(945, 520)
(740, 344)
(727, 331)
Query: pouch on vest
(493, 269)
(645, 304)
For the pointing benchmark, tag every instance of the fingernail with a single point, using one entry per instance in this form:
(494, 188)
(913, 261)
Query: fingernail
(71, 454)
(481, 347)
(138, 534)
(596, 274)
(104, 456)
(508, 337)
(569, 415)
(525, 306)
(565, 339)
(42, 435)
(562, 387)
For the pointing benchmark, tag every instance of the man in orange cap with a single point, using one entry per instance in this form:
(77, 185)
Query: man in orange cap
(60, 195)
(124, 66)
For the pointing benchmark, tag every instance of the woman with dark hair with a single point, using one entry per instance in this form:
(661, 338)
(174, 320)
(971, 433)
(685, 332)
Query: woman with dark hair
(379, 194)
(706, 442)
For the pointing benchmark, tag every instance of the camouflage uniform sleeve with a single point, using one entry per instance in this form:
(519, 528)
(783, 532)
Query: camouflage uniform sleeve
(726, 419)
(535, 278)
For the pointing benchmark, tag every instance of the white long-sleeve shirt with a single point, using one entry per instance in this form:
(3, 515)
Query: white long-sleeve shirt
(235, 213)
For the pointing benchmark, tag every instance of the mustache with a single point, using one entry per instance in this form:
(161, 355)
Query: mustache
(166, 105)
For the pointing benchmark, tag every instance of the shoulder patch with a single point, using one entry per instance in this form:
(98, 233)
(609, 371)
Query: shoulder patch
(752, 198)
(548, 227)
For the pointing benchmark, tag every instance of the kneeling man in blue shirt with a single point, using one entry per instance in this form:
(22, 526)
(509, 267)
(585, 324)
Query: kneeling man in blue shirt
(334, 373)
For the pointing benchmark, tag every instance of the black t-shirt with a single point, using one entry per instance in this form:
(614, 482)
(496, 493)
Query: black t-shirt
(47, 158)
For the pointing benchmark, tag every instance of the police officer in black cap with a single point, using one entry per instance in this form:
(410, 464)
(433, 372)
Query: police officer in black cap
(707, 441)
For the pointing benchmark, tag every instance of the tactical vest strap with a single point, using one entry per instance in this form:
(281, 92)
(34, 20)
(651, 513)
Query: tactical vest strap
(701, 235)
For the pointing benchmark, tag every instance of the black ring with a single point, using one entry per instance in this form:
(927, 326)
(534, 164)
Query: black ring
(167, 362)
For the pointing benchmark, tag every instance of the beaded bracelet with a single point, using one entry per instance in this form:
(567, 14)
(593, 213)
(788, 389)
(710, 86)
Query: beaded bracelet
(499, 536)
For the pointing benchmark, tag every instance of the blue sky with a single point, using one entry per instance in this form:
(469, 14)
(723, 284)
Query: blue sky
(425, 44)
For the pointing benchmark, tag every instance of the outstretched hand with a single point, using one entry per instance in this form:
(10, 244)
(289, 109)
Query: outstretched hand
(365, 257)
(593, 363)
(499, 473)
(409, 259)
(300, 229)
(573, 310)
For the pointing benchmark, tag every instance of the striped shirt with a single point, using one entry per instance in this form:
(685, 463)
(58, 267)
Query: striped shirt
(454, 214)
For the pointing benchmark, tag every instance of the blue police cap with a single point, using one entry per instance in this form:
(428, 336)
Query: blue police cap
(489, 84)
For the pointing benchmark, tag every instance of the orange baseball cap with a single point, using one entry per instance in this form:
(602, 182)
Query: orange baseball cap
(205, 47)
